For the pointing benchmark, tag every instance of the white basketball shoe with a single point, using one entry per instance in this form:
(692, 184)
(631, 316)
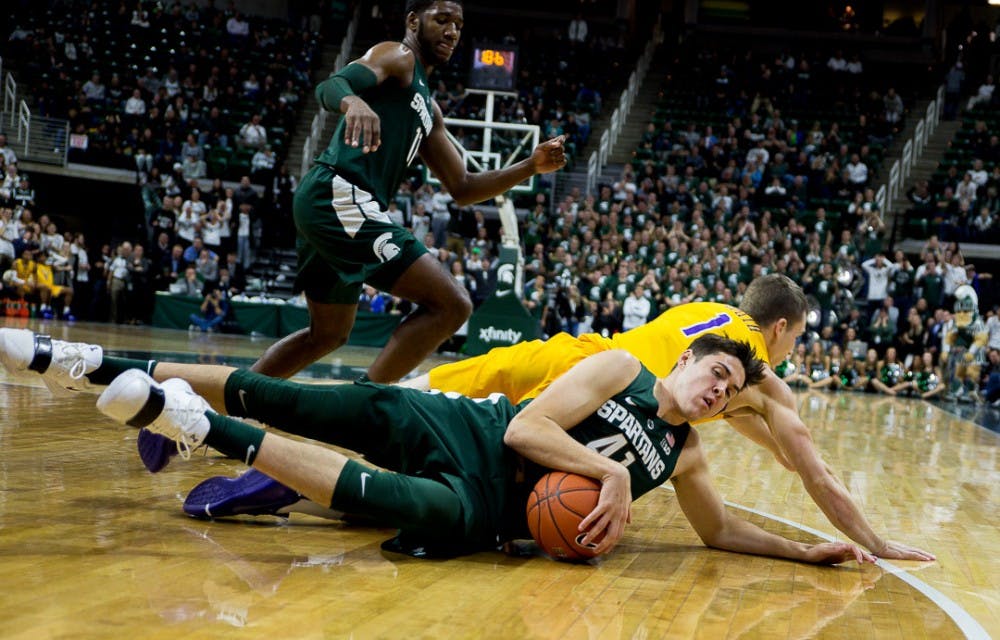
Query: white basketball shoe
(62, 365)
(171, 408)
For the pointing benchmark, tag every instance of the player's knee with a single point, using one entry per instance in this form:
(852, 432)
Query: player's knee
(458, 309)
(325, 340)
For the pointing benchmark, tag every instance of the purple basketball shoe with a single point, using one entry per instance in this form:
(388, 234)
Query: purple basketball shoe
(252, 493)
(155, 450)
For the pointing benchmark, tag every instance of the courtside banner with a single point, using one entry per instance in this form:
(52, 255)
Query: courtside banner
(501, 320)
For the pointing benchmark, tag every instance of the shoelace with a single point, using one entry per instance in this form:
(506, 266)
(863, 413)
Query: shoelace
(76, 353)
(190, 412)
(184, 447)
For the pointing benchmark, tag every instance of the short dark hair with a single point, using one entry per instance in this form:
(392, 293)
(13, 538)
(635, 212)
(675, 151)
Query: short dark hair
(772, 297)
(418, 6)
(711, 343)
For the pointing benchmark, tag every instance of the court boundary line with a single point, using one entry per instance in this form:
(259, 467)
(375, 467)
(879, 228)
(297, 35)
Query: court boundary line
(962, 618)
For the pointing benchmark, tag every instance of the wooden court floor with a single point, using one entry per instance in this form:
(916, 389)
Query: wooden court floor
(92, 546)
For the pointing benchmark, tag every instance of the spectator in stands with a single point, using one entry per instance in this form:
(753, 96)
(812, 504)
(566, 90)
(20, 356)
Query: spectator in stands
(893, 109)
(954, 82)
(193, 169)
(7, 154)
(190, 147)
(238, 28)
(118, 282)
(173, 268)
(993, 328)
(188, 284)
(983, 223)
(991, 377)
(253, 134)
(244, 222)
(212, 129)
(577, 30)
(193, 252)
(227, 285)
(140, 273)
(857, 173)
(878, 271)
(984, 94)
(94, 90)
(135, 106)
(211, 230)
(262, 166)
(921, 198)
(207, 266)
(837, 63)
(636, 308)
(245, 193)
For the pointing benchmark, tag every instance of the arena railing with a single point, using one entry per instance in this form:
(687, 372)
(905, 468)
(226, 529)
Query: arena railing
(913, 151)
(314, 139)
(34, 138)
(609, 137)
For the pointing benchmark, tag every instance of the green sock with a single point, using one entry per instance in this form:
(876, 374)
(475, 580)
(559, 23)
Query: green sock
(112, 367)
(233, 438)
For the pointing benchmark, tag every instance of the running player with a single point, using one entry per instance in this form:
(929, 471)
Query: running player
(345, 236)
(458, 471)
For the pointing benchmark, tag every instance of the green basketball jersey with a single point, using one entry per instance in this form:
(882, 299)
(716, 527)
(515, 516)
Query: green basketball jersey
(626, 429)
(406, 116)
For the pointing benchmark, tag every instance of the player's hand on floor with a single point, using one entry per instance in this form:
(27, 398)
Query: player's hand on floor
(605, 525)
(837, 552)
(893, 550)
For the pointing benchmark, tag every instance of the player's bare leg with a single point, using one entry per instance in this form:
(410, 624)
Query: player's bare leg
(328, 330)
(443, 307)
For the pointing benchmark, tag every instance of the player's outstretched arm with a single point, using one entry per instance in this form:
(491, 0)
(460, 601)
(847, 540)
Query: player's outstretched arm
(538, 433)
(471, 187)
(717, 528)
(823, 486)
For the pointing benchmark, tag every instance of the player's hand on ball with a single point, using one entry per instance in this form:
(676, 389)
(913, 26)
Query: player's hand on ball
(613, 512)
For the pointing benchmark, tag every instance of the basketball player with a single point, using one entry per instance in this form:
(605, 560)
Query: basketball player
(771, 318)
(456, 472)
(345, 236)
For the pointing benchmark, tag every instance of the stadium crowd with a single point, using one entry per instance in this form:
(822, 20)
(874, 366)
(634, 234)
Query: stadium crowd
(750, 177)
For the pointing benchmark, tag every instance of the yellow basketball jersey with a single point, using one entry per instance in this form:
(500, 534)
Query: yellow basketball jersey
(659, 343)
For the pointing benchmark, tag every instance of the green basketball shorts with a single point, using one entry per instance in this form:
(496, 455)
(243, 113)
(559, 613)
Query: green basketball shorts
(345, 239)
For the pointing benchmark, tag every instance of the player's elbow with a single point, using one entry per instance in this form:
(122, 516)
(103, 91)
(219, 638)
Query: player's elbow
(513, 437)
(463, 197)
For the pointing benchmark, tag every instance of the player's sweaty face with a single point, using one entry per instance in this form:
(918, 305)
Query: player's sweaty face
(710, 384)
(440, 29)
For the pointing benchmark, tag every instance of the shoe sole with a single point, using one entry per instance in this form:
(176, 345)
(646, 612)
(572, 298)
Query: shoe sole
(155, 450)
(253, 494)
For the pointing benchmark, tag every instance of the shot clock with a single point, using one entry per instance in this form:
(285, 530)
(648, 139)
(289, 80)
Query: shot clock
(494, 67)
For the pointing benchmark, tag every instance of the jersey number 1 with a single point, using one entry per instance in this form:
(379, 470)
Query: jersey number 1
(701, 327)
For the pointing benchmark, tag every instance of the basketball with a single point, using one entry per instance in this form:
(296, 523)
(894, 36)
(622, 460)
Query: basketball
(557, 505)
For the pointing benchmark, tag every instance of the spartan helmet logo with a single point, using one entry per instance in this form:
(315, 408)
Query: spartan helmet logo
(384, 249)
(966, 305)
(505, 274)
